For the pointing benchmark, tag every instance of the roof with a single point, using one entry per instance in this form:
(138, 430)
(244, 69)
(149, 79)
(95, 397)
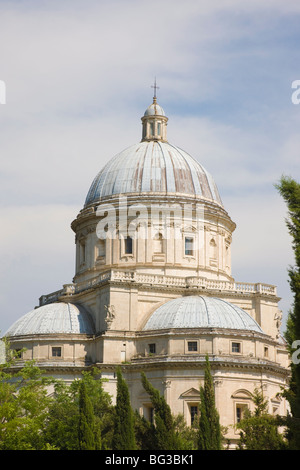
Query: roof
(153, 167)
(201, 312)
(154, 109)
(56, 318)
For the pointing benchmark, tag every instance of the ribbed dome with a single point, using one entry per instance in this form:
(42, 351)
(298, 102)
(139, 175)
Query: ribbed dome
(153, 167)
(200, 312)
(56, 318)
(154, 109)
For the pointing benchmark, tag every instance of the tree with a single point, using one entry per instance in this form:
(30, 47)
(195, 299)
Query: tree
(86, 424)
(290, 191)
(124, 437)
(259, 430)
(24, 403)
(63, 416)
(66, 407)
(165, 435)
(209, 424)
(144, 432)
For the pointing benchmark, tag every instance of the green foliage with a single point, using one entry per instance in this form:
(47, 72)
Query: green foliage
(188, 434)
(209, 427)
(63, 416)
(259, 430)
(124, 437)
(86, 426)
(290, 191)
(144, 432)
(82, 406)
(80, 416)
(24, 406)
(166, 437)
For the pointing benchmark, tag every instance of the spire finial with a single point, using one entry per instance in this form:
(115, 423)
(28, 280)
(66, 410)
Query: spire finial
(155, 88)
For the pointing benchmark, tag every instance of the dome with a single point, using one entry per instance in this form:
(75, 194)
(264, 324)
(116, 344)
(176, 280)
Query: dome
(56, 318)
(154, 109)
(200, 312)
(153, 167)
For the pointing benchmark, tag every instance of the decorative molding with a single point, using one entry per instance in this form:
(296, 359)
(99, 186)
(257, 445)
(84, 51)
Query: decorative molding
(160, 281)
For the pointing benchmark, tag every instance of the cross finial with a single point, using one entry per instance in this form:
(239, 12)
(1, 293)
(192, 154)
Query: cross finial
(155, 88)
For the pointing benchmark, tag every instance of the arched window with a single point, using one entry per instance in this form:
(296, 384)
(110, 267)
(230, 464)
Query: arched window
(241, 400)
(158, 243)
(213, 248)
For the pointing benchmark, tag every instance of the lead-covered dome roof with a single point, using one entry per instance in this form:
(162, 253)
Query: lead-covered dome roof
(154, 109)
(201, 312)
(153, 166)
(55, 318)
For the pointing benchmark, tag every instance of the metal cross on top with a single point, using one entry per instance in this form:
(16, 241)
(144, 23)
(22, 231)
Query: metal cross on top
(155, 87)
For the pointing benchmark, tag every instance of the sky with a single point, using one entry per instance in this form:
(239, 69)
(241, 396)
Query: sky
(78, 78)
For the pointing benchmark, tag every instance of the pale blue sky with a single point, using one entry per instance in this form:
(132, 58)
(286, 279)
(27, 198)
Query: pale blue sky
(78, 77)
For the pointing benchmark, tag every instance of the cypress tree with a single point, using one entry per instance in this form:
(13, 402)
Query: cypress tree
(86, 421)
(289, 189)
(165, 436)
(124, 437)
(209, 423)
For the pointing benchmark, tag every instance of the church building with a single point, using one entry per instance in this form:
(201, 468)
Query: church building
(153, 291)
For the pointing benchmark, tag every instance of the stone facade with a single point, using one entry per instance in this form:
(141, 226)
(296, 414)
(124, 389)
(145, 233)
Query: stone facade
(138, 250)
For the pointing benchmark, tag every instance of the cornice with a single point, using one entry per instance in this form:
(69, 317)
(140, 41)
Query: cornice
(216, 363)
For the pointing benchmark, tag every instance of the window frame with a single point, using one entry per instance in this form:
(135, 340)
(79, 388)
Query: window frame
(193, 413)
(189, 252)
(56, 356)
(232, 346)
(190, 347)
(128, 244)
(242, 407)
(152, 348)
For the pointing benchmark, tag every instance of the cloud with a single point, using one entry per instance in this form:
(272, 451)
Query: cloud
(78, 78)
(36, 256)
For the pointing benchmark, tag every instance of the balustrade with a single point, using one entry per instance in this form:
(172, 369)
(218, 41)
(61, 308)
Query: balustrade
(160, 280)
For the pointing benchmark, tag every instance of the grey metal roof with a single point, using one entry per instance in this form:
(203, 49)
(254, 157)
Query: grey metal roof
(154, 109)
(200, 312)
(53, 318)
(156, 167)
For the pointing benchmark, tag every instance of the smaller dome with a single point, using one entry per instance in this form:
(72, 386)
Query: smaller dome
(154, 109)
(56, 318)
(201, 312)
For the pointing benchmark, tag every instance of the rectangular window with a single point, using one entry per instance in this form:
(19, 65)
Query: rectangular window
(236, 347)
(18, 353)
(101, 248)
(149, 413)
(239, 412)
(192, 346)
(152, 348)
(56, 351)
(128, 246)
(194, 412)
(266, 351)
(189, 246)
(151, 129)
